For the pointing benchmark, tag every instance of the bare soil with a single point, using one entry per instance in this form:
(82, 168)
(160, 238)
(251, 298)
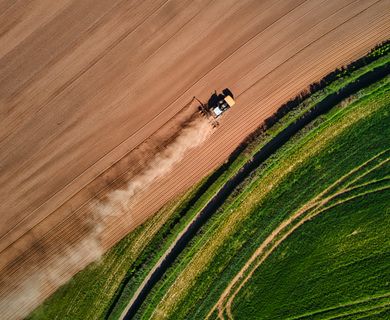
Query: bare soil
(85, 87)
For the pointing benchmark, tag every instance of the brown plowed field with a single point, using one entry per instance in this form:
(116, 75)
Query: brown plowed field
(84, 85)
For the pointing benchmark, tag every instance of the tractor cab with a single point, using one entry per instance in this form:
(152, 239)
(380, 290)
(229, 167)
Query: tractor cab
(218, 104)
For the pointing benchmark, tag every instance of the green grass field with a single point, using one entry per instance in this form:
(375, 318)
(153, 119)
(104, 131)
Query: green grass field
(335, 264)
(339, 143)
(103, 289)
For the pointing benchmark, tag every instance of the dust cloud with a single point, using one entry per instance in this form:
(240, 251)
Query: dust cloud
(33, 285)
(120, 201)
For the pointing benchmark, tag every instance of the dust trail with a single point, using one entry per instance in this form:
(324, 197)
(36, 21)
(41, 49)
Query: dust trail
(119, 201)
(34, 286)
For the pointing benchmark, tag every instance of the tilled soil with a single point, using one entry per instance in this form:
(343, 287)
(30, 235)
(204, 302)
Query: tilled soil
(87, 89)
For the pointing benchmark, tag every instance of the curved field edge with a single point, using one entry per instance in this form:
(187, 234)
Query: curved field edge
(104, 288)
(261, 137)
(192, 285)
(337, 193)
(225, 249)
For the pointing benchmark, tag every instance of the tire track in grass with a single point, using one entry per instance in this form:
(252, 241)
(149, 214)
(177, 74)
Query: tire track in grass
(284, 237)
(313, 208)
(363, 312)
(351, 303)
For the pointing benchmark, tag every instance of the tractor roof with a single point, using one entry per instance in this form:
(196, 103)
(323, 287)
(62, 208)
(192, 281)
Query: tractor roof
(230, 101)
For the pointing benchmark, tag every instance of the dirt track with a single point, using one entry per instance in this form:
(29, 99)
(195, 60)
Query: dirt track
(83, 83)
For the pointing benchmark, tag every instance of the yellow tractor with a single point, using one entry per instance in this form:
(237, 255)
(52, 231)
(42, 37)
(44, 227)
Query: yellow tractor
(217, 104)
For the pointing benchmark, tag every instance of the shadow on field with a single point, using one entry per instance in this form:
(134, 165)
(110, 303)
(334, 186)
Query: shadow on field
(263, 154)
